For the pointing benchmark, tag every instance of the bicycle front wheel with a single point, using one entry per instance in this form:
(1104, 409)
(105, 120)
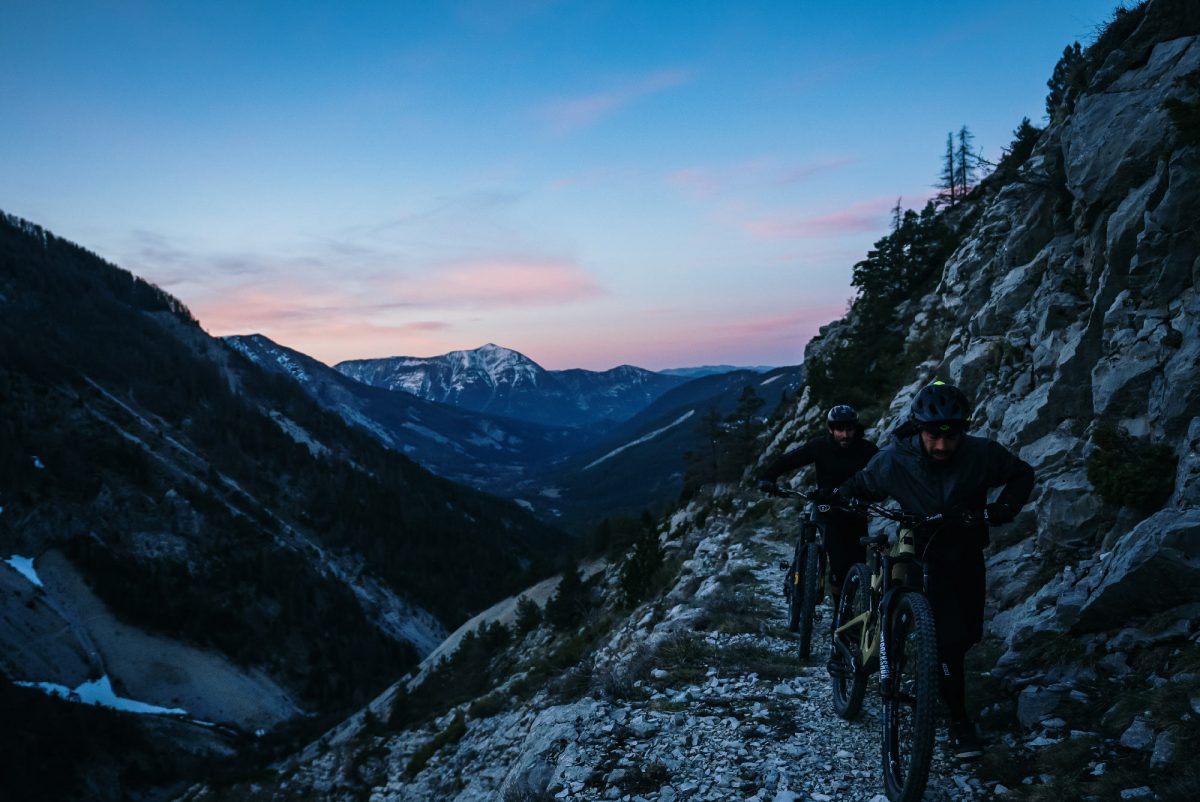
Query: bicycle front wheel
(846, 671)
(909, 703)
(809, 587)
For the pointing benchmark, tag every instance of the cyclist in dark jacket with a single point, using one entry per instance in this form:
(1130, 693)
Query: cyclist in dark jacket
(837, 456)
(931, 466)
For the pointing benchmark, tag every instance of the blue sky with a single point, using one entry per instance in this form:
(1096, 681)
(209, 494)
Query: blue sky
(654, 183)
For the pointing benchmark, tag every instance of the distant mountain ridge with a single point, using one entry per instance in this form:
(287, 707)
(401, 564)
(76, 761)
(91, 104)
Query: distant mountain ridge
(479, 449)
(501, 381)
(710, 370)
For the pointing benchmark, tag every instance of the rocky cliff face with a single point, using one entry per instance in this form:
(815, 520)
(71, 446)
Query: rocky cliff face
(1070, 312)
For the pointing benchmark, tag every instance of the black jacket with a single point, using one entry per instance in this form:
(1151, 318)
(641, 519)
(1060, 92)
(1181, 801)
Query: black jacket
(834, 464)
(924, 486)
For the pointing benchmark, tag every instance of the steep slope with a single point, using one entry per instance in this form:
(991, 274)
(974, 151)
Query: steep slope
(485, 451)
(503, 382)
(226, 542)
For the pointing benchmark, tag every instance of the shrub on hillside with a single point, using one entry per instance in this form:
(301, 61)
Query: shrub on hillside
(1131, 472)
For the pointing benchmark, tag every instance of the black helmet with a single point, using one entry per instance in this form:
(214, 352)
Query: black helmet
(842, 413)
(941, 403)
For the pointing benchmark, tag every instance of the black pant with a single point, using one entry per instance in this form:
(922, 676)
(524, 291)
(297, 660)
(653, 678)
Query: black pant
(843, 533)
(957, 584)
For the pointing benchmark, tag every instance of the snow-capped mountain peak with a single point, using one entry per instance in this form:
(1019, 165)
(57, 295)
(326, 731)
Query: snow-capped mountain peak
(502, 381)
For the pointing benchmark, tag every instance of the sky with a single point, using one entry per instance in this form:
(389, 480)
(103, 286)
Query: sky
(664, 184)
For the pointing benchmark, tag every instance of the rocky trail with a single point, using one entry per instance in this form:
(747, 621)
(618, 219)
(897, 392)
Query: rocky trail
(699, 696)
(741, 733)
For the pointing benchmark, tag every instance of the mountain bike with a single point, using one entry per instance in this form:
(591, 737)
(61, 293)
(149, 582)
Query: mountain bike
(804, 585)
(885, 624)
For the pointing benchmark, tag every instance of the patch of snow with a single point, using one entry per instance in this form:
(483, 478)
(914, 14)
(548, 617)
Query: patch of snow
(644, 438)
(24, 567)
(430, 433)
(298, 433)
(777, 377)
(352, 415)
(484, 442)
(520, 502)
(100, 692)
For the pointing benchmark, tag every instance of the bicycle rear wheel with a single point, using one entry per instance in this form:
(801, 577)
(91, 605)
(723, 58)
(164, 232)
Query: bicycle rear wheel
(908, 708)
(848, 676)
(791, 588)
(809, 587)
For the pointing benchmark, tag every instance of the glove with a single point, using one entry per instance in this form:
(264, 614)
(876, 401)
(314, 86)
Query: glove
(767, 486)
(997, 514)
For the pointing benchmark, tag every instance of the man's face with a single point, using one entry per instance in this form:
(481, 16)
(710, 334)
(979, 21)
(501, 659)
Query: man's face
(843, 433)
(940, 443)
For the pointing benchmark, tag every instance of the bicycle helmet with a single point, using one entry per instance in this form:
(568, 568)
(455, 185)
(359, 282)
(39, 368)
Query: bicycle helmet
(842, 413)
(941, 403)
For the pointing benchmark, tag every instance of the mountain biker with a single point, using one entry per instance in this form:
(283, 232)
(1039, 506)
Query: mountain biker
(837, 456)
(932, 466)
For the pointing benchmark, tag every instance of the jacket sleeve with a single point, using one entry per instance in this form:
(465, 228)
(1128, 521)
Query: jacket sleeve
(1015, 474)
(796, 458)
(869, 483)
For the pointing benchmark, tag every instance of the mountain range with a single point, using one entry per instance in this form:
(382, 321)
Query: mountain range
(500, 381)
(636, 423)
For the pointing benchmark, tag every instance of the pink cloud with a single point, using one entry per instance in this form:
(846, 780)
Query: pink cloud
(863, 217)
(340, 319)
(572, 114)
(499, 282)
(652, 343)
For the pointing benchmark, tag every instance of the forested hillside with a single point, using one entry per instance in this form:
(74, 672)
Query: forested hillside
(209, 504)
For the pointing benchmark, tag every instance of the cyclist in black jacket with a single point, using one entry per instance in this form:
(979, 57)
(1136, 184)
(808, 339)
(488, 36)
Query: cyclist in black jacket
(932, 466)
(837, 457)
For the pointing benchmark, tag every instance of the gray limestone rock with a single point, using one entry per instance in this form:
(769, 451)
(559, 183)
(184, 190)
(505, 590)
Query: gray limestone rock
(1035, 704)
(1138, 735)
(1155, 566)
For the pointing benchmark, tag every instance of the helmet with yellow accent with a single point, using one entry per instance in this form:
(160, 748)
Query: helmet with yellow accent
(941, 407)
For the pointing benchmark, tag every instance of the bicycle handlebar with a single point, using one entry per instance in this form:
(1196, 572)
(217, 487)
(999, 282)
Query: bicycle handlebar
(899, 516)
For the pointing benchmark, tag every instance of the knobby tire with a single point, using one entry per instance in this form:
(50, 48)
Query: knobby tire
(791, 588)
(810, 584)
(849, 678)
(908, 713)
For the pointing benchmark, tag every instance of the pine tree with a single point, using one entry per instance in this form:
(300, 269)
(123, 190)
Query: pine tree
(640, 567)
(948, 181)
(568, 605)
(968, 164)
(1064, 81)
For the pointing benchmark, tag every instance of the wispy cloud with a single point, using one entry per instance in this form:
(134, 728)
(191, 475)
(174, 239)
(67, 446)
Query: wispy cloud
(863, 217)
(707, 182)
(804, 172)
(498, 282)
(565, 116)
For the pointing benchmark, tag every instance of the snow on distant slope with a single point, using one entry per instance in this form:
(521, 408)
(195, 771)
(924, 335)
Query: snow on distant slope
(644, 438)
